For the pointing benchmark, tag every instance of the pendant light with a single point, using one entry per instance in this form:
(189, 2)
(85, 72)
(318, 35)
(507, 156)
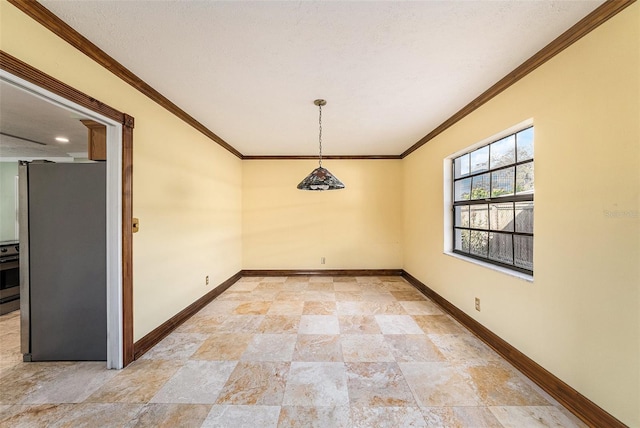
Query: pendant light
(320, 178)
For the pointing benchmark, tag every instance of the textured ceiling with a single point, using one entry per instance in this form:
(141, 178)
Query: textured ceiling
(390, 71)
(37, 123)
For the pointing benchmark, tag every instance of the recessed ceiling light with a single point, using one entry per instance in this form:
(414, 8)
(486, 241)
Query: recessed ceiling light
(62, 139)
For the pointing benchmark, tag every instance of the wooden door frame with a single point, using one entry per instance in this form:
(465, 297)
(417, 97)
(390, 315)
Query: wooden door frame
(30, 74)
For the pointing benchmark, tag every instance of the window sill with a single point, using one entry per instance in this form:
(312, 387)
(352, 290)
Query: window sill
(519, 275)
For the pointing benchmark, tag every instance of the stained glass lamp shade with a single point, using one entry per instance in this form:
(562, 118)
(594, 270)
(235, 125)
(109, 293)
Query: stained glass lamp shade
(320, 178)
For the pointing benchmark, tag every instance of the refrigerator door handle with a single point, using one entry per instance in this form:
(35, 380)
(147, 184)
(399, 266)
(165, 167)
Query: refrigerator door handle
(23, 236)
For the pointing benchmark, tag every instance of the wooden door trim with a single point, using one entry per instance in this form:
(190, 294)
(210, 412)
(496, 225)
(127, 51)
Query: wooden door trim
(30, 74)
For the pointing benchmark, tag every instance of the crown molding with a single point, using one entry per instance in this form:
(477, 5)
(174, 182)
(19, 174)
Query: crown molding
(46, 18)
(603, 13)
(60, 28)
(338, 157)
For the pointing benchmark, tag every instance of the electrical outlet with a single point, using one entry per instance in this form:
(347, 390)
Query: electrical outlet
(322, 260)
(206, 280)
(477, 304)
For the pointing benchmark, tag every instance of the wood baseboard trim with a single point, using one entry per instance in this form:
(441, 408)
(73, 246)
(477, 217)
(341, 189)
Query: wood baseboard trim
(321, 272)
(585, 409)
(151, 339)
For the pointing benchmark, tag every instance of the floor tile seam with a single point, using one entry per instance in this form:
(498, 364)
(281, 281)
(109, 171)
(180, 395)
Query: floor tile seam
(93, 401)
(135, 420)
(523, 406)
(403, 377)
(475, 388)
(351, 416)
(520, 406)
(415, 392)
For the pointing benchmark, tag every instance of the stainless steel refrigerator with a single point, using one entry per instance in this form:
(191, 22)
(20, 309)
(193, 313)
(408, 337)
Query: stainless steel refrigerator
(62, 225)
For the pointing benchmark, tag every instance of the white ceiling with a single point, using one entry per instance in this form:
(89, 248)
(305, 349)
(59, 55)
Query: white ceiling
(29, 126)
(390, 71)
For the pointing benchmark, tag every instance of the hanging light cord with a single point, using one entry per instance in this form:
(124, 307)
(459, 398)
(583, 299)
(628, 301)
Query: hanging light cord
(320, 134)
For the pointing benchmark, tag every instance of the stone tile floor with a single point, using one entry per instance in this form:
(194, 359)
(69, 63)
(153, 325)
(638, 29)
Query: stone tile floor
(288, 352)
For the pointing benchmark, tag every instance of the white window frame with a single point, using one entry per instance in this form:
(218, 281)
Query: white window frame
(447, 192)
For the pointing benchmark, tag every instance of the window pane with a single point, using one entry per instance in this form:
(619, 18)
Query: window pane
(480, 187)
(501, 217)
(479, 215)
(462, 216)
(524, 217)
(524, 178)
(501, 247)
(493, 188)
(503, 152)
(479, 243)
(523, 246)
(462, 240)
(462, 189)
(525, 144)
(502, 182)
(461, 166)
(480, 160)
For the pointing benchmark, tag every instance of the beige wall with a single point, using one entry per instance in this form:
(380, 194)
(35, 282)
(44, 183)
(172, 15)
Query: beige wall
(204, 212)
(579, 317)
(359, 227)
(187, 190)
(8, 174)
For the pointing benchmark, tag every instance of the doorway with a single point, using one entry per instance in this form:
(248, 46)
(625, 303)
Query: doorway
(119, 127)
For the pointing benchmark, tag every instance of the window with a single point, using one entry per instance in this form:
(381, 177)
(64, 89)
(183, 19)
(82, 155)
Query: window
(493, 202)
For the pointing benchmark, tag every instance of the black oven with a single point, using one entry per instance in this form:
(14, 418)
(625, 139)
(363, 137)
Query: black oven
(9, 277)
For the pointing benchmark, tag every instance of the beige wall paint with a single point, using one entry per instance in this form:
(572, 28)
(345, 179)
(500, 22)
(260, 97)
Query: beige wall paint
(8, 199)
(579, 317)
(187, 189)
(359, 227)
(8, 174)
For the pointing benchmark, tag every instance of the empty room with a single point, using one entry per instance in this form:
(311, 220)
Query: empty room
(320, 213)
